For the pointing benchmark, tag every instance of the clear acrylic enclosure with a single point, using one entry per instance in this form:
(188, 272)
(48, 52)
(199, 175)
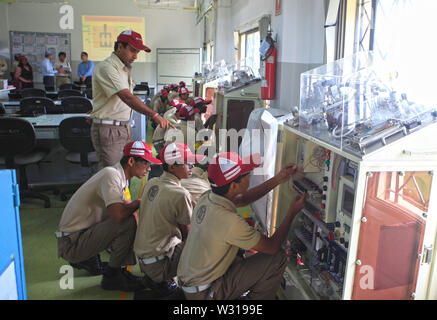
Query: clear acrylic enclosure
(353, 104)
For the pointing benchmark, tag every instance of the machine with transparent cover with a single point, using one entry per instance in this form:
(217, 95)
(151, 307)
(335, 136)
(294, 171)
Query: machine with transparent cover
(367, 166)
(353, 104)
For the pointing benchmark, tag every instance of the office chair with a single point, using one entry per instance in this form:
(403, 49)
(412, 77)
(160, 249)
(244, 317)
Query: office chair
(14, 95)
(75, 137)
(76, 105)
(69, 93)
(89, 93)
(142, 87)
(32, 92)
(66, 86)
(17, 150)
(34, 106)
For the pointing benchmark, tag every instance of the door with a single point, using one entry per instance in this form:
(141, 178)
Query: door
(394, 249)
(12, 284)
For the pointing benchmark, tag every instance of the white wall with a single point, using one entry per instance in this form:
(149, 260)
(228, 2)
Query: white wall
(164, 28)
(300, 34)
(4, 34)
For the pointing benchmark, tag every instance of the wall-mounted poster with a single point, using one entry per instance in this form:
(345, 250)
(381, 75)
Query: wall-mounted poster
(99, 34)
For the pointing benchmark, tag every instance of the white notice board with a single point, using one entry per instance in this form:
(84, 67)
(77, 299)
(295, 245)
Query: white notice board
(175, 65)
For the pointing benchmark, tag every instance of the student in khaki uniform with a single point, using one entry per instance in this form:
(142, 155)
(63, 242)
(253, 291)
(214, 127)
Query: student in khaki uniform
(164, 218)
(198, 183)
(184, 95)
(113, 100)
(161, 105)
(188, 126)
(209, 267)
(173, 94)
(97, 217)
(161, 137)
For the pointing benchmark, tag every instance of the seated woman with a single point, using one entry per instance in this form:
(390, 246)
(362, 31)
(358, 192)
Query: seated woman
(24, 74)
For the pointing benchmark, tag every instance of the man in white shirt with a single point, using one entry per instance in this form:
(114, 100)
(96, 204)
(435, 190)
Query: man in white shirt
(64, 70)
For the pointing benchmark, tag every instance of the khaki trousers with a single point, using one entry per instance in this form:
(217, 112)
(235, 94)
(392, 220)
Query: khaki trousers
(61, 80)
(82, 245)
(109, 141)
(165, 269)
(260, 273)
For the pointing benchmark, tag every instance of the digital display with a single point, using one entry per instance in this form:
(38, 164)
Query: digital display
(347, 205)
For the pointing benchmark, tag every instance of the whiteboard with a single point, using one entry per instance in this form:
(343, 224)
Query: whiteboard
(175, 65)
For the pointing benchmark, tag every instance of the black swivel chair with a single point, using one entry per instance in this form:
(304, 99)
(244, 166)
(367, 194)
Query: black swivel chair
(89, 93)
(18, 150)
(34, 106)
(66, 86)
(76, 105)
(32, 92)
(69, 93)
(75, 136)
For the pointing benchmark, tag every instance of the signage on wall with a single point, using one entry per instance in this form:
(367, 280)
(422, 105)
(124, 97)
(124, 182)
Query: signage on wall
(278, 7)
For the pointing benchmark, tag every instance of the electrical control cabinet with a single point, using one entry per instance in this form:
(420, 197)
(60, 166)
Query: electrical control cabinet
(368, 228)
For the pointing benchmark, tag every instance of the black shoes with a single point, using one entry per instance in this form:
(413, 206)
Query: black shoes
(121, 280)
(167, 290)
(93, 265)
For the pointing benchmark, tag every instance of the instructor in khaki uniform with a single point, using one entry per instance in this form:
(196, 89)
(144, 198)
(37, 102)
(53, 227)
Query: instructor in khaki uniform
(113, 100)
(209, 267)
(165, 215)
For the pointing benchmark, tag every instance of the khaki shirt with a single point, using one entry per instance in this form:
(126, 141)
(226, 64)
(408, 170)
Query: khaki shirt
(164, 205)
(160, 134)
(88, 205)
(197, 184)
(188, 130)
(216, 234)
(110, 77)
(159, 106)
(173, 95)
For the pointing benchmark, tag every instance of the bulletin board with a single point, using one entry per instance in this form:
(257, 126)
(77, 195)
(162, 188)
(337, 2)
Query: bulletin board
(175, 65)
(34, 44)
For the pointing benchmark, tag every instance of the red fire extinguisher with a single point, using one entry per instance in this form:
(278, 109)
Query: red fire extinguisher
(268, 70)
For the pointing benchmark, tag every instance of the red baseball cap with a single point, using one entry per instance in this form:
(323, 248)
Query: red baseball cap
(164, 93)
(184, 90)
(181, 84)
(134, 39)
(198, 100)
(187, 112)
(228, 166)
(141, 150)
(177, 104)
(178, 153)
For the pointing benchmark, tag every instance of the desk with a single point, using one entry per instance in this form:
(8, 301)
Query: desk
(47, 125)
(14, 106)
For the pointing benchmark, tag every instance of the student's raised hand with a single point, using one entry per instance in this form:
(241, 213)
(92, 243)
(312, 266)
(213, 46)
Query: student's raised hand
(286, 172)
(297, 204)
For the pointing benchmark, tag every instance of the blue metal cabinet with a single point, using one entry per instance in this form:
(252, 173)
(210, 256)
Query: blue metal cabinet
(12, 282)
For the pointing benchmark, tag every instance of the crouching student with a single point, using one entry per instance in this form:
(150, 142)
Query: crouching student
(97, 218)
(198, 183)
(164, 218)
(209, 267)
